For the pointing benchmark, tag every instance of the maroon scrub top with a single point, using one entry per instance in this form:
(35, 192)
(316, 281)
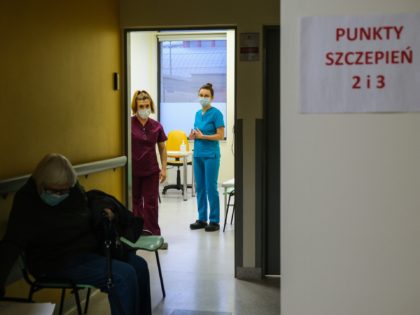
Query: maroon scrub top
(143, 146)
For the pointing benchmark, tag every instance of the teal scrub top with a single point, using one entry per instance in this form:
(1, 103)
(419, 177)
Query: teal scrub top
(208, 124)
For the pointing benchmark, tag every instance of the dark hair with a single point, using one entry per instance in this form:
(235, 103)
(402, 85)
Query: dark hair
(207, 86)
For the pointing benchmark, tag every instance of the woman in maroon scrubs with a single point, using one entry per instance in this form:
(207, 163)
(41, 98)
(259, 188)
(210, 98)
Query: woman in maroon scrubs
(145, 134)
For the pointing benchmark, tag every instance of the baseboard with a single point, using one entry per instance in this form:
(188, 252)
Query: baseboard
(248, 273)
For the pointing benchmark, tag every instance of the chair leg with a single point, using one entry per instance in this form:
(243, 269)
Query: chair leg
(226, 213)
(232, 194)
(87, 300)
(233, 213)
(178, 179)
(31, 293)
(177, 186)
(77, 298)
(160, 274)
(63, 293)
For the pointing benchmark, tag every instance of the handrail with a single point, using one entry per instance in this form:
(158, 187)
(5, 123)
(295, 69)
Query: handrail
(15, 183)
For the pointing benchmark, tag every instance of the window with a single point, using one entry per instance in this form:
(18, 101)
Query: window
(187, 63)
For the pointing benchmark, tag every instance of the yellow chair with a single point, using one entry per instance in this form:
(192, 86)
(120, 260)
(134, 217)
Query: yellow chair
(175, 138)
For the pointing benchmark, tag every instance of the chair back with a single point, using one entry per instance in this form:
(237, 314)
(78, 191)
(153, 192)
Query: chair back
(175, 138)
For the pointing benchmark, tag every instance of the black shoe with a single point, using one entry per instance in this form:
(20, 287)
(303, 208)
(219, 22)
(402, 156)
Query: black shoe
(198, 225)
(212, 227)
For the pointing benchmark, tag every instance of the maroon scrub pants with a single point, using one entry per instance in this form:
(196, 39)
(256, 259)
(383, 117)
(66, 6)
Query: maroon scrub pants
(145, 200)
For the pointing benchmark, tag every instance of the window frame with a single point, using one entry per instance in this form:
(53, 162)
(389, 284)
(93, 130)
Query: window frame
(190, 36)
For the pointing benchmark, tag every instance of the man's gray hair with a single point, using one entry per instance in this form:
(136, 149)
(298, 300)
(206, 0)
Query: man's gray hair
(54, 169)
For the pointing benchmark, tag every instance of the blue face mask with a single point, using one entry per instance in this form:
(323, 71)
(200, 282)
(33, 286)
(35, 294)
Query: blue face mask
(53, 199)
(204, 101)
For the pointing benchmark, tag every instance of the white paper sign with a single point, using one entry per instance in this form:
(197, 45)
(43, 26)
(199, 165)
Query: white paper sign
(360, 63)
(249, 46)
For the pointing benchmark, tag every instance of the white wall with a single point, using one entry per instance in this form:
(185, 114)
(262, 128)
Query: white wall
(143, 74)
(350, 224)
(143, 64)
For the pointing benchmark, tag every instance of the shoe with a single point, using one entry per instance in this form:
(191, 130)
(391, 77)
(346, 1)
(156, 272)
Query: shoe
(212, 227)
(198, 225)
(164, 246)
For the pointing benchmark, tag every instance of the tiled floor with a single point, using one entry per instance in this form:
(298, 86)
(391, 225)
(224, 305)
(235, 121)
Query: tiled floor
(198, 270)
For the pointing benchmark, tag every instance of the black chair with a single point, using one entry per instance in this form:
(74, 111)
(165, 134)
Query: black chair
(178, 163)
(36, 284)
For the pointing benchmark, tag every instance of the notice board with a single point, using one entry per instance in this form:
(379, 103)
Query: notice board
(351, 64)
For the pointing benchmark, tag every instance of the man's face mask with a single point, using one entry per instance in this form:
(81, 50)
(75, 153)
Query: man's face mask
(52, 199)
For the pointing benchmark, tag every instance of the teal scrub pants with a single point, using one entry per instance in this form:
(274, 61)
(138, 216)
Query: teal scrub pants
(206, 172)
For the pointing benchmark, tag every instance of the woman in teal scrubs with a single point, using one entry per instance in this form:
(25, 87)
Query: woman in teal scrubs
(209, 128)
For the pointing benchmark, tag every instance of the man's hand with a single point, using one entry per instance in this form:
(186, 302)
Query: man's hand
(109, 214)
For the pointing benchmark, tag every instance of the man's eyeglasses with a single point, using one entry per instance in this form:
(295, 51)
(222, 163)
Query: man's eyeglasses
(57, 191)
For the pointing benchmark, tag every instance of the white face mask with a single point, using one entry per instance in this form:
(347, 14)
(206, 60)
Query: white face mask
(204, 101)
(144, 113)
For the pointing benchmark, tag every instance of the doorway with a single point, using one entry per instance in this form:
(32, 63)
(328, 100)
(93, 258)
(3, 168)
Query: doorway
(171, 64)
